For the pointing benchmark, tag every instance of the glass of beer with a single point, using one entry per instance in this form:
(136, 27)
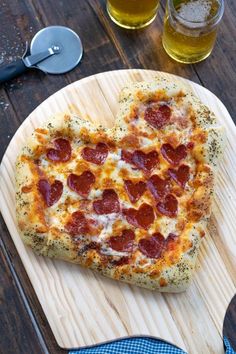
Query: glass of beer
(132, 14)
(190, 28)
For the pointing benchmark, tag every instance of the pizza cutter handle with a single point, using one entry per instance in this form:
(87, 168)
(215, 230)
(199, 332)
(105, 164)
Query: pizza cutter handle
(12, 70)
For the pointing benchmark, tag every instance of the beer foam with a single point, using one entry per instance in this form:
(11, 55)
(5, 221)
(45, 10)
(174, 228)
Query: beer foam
(195, 10)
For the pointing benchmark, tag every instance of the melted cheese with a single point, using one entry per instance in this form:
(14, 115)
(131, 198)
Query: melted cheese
(111, 173)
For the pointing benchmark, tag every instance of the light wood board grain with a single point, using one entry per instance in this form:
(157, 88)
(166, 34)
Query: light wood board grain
(84, 308)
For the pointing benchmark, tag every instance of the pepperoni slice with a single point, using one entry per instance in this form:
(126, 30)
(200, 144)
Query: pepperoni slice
(78, 225)
(50, 192)
(144, 161)
(62, 151)
(141, 160)
(158, 117)
(190, 145)
(169, 206)
(134, 190)
(123, 243)
(180, 176)
(172, 155)
(142, 217)
(153, 246)
(126, 156)
(158, 187)
(108, 204)
(97, 156)
(171, 242)
(81, 184)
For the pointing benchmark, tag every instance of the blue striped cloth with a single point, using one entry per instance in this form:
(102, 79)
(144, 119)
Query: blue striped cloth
(139, 345)
(228, 348)
(134, 345)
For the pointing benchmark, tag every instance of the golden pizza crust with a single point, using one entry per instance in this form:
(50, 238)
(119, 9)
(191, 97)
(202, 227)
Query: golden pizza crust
(31, 220)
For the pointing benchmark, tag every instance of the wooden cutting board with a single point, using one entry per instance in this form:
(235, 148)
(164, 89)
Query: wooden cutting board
(84, 308)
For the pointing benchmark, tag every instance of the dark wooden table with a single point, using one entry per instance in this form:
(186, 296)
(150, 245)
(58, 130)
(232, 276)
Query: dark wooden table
(23, 326)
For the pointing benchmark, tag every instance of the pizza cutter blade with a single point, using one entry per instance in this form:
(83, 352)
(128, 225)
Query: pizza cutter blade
(54, 50)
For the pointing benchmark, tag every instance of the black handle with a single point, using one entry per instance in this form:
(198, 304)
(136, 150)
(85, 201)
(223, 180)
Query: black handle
(12, 70)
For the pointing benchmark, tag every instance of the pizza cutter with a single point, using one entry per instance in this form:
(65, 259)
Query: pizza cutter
(54, 50)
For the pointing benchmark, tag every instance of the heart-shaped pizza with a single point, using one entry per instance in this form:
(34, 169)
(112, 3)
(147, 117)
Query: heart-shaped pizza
(131, 202)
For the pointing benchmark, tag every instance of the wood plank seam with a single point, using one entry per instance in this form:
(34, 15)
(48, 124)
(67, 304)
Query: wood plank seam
(109, 32)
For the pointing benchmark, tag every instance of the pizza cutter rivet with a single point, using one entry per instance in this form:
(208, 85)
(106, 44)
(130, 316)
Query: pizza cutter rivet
(56, 48)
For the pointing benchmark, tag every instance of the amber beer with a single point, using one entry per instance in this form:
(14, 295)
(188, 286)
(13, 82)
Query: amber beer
(132, 13)
(190, 28)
